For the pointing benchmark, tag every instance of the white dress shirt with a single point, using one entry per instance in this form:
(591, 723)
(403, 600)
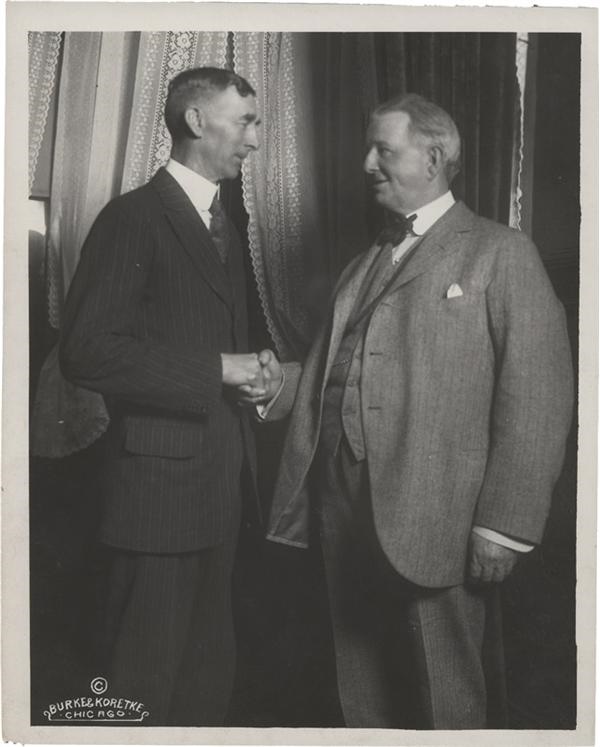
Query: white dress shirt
(426, 216)
(200, 191)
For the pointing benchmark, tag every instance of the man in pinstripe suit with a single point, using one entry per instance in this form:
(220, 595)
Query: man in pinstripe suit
(155, 321)
(430, 417)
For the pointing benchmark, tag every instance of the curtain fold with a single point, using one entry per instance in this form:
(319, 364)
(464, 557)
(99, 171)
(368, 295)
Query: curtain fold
(345, 90)
(94, 101)
(110, 138)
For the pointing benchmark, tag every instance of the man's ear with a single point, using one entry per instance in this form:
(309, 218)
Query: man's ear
(194, 120)
(435, 162)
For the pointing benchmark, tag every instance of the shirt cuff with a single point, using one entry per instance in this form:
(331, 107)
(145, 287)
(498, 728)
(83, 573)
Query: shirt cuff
(502, 539)
(262, 411)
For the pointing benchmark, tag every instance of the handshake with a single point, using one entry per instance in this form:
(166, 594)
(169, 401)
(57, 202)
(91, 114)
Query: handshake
(257, 377)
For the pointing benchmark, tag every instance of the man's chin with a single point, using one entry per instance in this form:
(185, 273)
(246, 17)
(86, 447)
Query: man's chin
(380, 200)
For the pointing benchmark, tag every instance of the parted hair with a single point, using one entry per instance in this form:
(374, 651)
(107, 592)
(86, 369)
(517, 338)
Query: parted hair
(198, 82)
(431, 123)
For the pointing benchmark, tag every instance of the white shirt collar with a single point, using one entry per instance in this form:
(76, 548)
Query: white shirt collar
(200, 191)
(428, 214)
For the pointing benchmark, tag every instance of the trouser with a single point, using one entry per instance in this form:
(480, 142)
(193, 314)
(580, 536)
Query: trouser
(407, 656)
(170, 633)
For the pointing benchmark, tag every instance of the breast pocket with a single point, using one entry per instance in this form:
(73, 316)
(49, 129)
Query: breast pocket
(169, 441)
(466, 310)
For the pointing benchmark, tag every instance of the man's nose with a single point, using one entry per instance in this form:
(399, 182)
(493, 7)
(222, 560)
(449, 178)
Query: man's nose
(370, 162)
(252, 139)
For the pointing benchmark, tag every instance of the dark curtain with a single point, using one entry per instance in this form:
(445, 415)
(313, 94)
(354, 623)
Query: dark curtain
(344, 93)
(471, 75)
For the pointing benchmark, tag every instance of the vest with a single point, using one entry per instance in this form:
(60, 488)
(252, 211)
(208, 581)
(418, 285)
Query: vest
(341, 400)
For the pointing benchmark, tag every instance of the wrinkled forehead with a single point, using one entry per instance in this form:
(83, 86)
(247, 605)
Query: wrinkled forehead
(388, 127)
(229, 101)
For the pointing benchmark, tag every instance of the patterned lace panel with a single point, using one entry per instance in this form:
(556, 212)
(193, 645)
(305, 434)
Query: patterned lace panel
(271, 185)
(162, 55)
(516, 192)
(44, 50)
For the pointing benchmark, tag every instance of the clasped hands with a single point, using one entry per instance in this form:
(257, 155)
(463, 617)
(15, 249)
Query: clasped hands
(256, 377)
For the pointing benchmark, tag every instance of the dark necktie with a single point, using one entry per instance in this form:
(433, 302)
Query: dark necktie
(218, 228)
(397, 231)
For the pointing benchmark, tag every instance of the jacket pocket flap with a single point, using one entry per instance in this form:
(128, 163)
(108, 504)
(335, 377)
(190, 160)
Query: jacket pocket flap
(163, 441)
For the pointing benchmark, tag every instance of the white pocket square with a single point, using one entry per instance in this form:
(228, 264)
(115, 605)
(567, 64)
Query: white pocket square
(454, 291)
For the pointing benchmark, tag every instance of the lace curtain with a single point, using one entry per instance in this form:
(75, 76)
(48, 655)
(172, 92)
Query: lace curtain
(44, 51)
(278, 183)
(516, 206)
(110, 138)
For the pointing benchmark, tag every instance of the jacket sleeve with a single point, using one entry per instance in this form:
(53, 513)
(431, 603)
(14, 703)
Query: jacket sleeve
(281, 405)
(533, 395)
(99, 347)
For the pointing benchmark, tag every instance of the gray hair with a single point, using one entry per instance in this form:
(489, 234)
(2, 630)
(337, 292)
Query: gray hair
(431, 123)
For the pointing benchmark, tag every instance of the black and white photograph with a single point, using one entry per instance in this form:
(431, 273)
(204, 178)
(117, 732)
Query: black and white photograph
(300, 369)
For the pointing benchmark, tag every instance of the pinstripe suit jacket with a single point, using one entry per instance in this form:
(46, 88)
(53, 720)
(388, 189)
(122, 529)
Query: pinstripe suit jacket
(465, 401)
(148, 313)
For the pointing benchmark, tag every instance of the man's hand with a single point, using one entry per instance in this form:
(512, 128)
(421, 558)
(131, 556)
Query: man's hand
(243, 369)
(488, 561)
(272, 376)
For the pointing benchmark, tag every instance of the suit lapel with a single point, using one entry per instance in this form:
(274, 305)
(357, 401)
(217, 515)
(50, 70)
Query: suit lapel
(344, 302)
(446, 235)
(192, 233)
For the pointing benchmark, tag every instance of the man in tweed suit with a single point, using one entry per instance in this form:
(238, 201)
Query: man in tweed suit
(429, 421)
(155, 321)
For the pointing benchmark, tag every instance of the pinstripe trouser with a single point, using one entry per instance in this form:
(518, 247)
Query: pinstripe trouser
(170, 632)
(407, 657)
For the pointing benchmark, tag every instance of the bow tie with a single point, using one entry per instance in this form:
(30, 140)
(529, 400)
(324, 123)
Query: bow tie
(397, 231)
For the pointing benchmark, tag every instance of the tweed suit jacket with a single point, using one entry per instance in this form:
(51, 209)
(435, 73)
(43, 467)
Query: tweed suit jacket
(465, 401)
(149, 312)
